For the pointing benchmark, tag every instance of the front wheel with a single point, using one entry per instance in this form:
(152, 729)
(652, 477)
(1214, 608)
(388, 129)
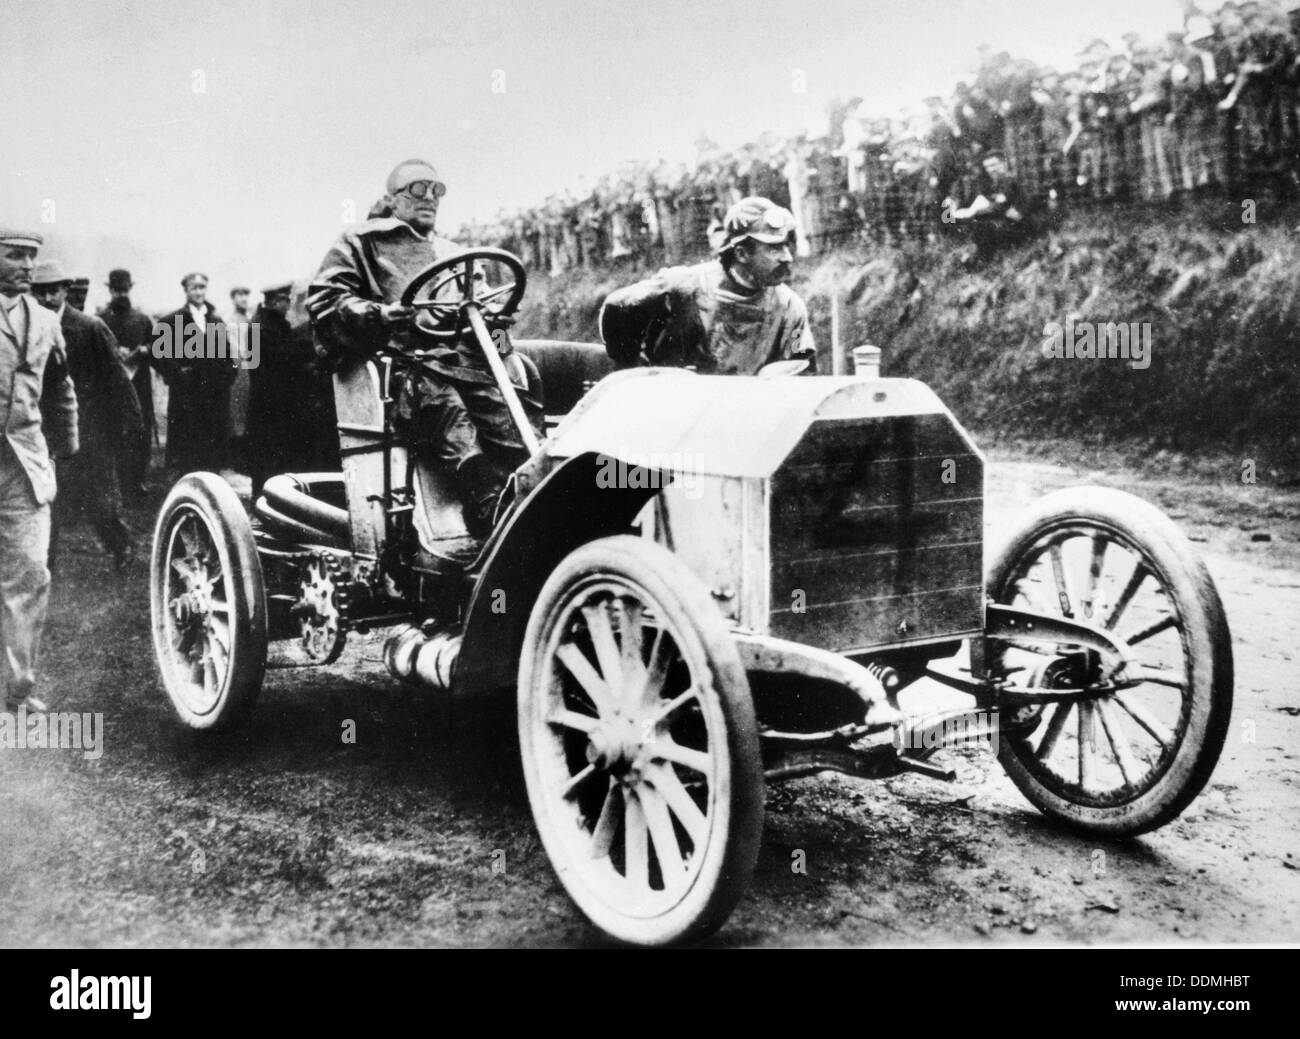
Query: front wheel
(1126, 756)
(207, 603)
(639, 743)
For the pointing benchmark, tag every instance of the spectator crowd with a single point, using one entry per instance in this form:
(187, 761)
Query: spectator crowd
(1212, 107)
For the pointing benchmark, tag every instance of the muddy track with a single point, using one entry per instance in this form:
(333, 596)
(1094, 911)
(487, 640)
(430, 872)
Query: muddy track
(419, 833)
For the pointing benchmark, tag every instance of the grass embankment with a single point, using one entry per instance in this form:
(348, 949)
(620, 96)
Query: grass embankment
(1223, 310)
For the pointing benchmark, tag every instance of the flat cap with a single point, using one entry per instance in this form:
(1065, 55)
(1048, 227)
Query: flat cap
(757, 218)
(283, 289)
(9, 236)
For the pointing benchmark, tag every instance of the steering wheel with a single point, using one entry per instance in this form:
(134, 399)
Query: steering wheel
(448, 318)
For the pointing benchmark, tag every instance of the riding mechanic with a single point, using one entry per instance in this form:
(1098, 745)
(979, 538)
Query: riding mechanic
(727, 316)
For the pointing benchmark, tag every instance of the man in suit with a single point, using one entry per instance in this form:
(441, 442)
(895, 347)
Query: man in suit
(78, 290)
(107, 413)
(37, 402)
(237, 328)
(134, 334)
(198, 407)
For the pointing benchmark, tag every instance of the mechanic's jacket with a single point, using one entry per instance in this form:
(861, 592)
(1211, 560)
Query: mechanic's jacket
(37, 398)
(700, 317)
(371, 264)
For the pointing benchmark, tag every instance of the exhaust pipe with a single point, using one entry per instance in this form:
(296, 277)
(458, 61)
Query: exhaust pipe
(289, 495)
(423, 655)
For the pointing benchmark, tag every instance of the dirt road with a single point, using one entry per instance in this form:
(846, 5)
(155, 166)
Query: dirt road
(419, 833)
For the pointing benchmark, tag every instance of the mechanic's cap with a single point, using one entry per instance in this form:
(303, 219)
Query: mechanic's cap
(50, 272)
(409, 172)
(284, 288)
(30, 239)
(757, 218)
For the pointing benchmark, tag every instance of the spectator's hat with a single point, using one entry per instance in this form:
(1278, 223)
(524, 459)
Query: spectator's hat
(994, 158)
(757, 218)
(280, 289)
(30, 239)
(50, 272)
(240, 288)
(119, 280)
(1198, 28)
(81, 283)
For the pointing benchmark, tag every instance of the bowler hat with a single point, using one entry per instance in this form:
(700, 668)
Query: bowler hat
(119, 280)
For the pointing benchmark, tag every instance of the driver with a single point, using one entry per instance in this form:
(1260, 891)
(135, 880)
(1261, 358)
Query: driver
(728, 316)
(448, 406)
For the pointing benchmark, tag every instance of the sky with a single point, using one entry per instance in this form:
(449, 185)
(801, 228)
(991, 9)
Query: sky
(239, 138)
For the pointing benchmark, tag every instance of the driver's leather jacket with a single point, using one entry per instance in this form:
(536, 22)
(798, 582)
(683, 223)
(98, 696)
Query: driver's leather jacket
(370, 265)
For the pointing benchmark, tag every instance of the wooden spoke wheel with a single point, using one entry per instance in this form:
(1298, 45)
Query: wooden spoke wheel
(640, 748)
(1137, 745)
(207, 604)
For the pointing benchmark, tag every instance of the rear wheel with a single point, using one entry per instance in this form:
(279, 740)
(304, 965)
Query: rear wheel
(207, 603)
(639, 743)
(1130, 755)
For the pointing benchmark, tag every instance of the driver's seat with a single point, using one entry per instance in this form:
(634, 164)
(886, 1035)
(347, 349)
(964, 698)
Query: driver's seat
(438, 518)
(438, 521)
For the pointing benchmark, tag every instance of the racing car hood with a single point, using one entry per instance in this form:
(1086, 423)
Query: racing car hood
(722, 425)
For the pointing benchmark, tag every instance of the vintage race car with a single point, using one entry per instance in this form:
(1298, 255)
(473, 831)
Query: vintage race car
(698, 585)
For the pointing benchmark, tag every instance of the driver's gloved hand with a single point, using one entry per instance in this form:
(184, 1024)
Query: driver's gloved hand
(391, 314)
